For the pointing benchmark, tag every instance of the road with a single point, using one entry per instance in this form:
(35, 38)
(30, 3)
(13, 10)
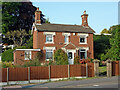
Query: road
(85, 83)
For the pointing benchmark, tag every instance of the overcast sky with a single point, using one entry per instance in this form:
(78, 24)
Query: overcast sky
(101, 14)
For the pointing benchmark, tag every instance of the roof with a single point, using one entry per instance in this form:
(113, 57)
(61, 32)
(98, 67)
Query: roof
(70, 46)
(64, 28)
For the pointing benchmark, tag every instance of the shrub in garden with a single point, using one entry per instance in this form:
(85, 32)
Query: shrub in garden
(7, 55)
(61, 57)
(7, 64)
(34, 62)
(83, 61)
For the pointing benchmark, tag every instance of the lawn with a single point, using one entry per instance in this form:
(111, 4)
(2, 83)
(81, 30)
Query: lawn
(102, 71)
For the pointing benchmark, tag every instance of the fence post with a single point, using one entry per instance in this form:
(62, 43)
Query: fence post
(28, 74)
(7, 76)
(49, 72)
(96, 67)
(68, 71)
(109, 68)
(86, 70)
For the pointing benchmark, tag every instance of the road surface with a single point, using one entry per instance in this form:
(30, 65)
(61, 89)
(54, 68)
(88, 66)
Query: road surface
(111, 82)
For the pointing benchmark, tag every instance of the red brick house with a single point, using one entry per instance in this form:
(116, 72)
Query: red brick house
(73, 39)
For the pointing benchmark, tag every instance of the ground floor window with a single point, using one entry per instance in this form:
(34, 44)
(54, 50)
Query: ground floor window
(83, 54)
(49, 54)
(27, 55)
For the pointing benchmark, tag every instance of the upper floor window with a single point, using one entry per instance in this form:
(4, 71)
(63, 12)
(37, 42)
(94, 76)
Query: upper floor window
(83, 40)
(27, 55)
(66, 39)
(49, 38)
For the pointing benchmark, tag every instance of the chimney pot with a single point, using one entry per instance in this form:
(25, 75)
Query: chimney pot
(37, 8)
(84, 12)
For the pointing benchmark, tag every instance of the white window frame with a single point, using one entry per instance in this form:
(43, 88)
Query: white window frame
(85, 53)
(66, 34)
(49, 50)
(28, 58)
(48, 41)
(83, 36)
(67, 39)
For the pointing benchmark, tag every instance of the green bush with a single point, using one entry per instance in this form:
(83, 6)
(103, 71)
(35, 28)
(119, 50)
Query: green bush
(7, 55)
(7, 64)
(76, 60)
(34, 62)
(61, 57)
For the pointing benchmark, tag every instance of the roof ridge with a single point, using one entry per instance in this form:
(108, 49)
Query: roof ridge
(62, 24)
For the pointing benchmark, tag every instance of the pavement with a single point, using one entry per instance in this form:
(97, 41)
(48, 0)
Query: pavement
(111, 82)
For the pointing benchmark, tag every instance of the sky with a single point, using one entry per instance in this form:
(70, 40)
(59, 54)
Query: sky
(100, 14)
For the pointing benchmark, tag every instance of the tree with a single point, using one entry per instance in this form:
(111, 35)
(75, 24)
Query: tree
(29, 43)
(104, 31)
(114, 52)
(61, 57)
(101, 45)
(18, 37)
(10, 12)
(18, 16)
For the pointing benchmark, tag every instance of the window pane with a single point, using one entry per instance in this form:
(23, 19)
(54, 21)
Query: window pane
(49, 54)
(82, 55)
(48, 38)
(70, 55)
(82, 39)
(82, 50)
(66, 39)
(27, 55)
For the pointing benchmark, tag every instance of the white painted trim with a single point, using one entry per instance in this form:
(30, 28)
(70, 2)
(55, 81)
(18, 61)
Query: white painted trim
(53, 33)
(27, 49)
(49, 42)
(86, 48)
(85, 39)
(71, 50)
(86, 34)
(53, 48)
(52, 40)
(68, 34)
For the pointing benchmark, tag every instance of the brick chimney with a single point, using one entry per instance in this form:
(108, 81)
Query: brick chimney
(84, 19)
(37, 16)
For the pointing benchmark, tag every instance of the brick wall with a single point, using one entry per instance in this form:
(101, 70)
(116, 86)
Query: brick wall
(20, 55)
(59, 42)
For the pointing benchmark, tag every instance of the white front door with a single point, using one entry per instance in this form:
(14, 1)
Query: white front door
(71, 57)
